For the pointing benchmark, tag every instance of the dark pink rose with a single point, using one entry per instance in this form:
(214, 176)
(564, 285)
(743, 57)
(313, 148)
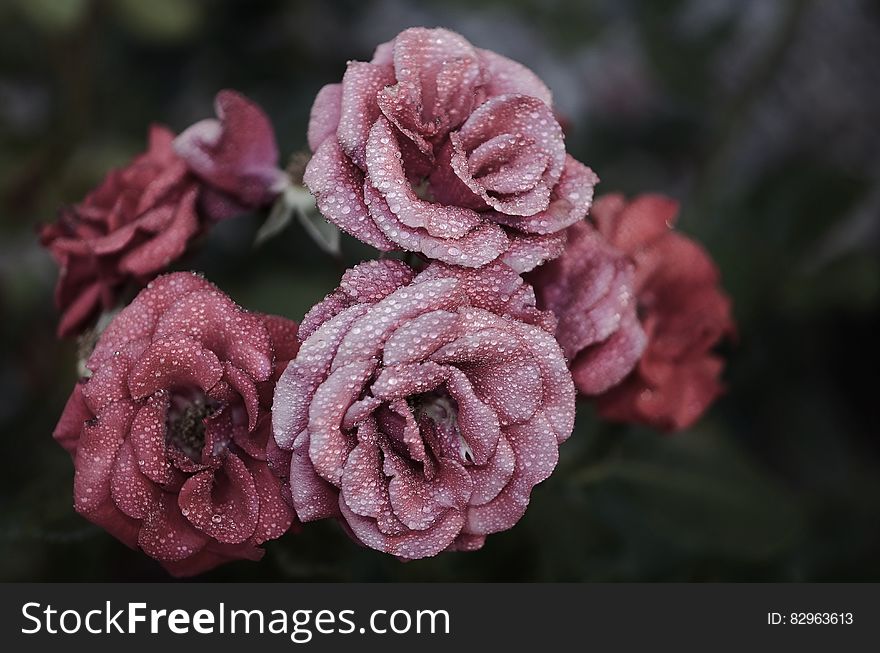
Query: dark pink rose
(590, 290)
(234, 155)
(441, 148)
(143, 216)
(422, 409)
(682, 309)
(132, 226)
(169, 435)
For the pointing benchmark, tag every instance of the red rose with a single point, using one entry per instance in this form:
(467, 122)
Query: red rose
(169, 435)
(682, 310)
(422, 409)
(438, 147)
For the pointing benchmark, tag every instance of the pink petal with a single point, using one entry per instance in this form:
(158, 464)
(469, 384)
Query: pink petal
(409, 544)
(372, 281)
(570, 201)
(477, 422)
(132, 492)
(604, 365)
(419, 503)
(244, 386)
(147, 438)
(223, 504)
(491, 478)
(386, 173)
(73, 418)
(313, 497)
(366, 336)
(329, 446)
(337, 185)
(526, 252)
(166, 535)
(418, 338)
(405, 379)
(359, 110)
(505, 76)
(558, 405)
(535, 449)
(496, 288)
(276, 516)
(480, 246)
(139, 319)
(325, 115)
(539, 141)
(174, 360)
(298, 383)
(158, 252)
(219, 325)
(512, 388)
(96, 456)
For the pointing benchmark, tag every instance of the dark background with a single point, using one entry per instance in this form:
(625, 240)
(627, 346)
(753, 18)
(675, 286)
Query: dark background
(762, 117)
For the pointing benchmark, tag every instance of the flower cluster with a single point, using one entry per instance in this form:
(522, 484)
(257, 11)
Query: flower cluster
(419, 404)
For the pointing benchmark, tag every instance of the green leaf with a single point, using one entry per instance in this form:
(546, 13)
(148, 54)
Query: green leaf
(298, 202)
(695, 493)
(278, 220)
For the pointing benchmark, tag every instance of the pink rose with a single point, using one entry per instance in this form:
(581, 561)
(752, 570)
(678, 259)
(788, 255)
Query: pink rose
(235, 156)
(590, 290)
(169, 435)
(422, 409)
(438, 147)
(143, 216)
(682, 310)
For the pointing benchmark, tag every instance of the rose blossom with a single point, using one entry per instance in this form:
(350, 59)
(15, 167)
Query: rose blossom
(143, 216)
(682, 310)
(421, 410)
(590, 290)
(438, 147)
(169, 435)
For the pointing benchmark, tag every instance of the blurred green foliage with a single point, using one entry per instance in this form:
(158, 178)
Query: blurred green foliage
(760, 117)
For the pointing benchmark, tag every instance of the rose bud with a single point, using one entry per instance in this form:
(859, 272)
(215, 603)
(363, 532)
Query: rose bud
(169, 435)
(682, 314)
(143, 216)
(438, 147)
(421, 410)
(235, 156)
(590, 291)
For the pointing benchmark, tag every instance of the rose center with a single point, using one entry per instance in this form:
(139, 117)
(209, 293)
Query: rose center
(442, 411)
(185, 422)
